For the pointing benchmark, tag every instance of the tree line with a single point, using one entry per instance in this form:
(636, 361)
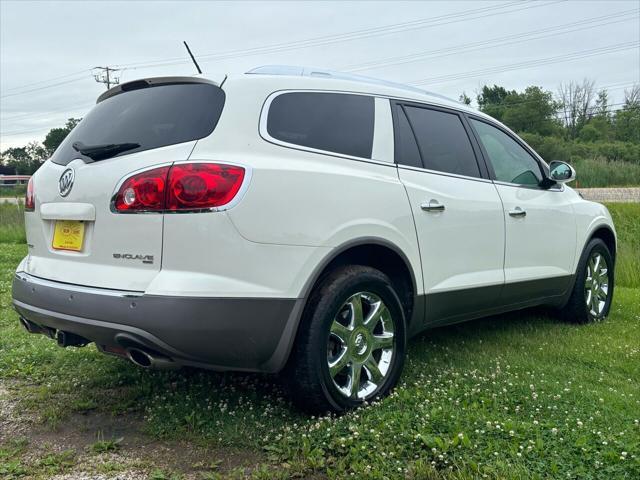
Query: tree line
(578, 121)
(27, 159)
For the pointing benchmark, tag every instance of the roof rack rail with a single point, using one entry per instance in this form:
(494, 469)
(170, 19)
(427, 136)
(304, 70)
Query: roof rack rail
(299, 71)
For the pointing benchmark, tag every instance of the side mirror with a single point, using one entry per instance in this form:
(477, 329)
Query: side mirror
(561, 172)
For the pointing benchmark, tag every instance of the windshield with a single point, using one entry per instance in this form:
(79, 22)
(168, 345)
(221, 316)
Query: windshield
(151, 117)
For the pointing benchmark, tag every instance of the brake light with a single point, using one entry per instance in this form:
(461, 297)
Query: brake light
(181, 187)
(30, 198)
(143, 192)
(195, 186)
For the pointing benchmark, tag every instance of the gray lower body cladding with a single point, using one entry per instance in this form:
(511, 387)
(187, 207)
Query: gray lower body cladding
(252, 334)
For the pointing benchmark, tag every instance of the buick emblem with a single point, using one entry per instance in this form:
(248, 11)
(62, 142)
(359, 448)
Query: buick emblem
(66, 182)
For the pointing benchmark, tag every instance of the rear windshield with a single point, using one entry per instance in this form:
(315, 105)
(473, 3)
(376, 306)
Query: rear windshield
(153, 117)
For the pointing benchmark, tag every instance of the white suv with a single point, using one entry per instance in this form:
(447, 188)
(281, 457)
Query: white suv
(298, 220)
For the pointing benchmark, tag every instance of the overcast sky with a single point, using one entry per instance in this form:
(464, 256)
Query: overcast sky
(48, 48)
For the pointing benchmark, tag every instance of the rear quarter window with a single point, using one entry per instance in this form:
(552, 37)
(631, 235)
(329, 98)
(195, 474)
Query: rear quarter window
(332, 122)
(155, 116)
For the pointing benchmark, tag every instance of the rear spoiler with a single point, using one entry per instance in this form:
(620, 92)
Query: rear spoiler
(154, 82)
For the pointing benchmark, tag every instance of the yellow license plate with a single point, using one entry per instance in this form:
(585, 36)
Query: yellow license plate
(68, 235)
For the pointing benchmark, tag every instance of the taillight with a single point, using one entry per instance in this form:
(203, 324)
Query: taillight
(181, 187)
(143, 192)
(30, 198)
(196, 186)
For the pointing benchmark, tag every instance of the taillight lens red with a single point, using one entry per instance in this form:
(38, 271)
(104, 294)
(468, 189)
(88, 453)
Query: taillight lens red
(181, 187)
(30, 198)
(143, 192)
(194, 186)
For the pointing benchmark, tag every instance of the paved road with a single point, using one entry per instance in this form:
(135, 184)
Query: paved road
(627, 194)
(611, 194)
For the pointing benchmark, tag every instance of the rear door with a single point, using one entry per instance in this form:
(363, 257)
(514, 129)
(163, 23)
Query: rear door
(457, 212)
(74, 235)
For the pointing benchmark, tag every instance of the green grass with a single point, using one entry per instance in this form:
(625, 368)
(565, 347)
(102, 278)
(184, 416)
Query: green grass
(520, 395)
(626, 218)
(593, 172)
(516, 396)
(14, 191)
(12, 223)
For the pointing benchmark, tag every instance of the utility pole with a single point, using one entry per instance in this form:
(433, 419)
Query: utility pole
(104, 76)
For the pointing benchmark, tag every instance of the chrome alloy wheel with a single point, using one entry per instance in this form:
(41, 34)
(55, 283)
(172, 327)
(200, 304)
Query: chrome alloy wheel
(596, 285)
(361, 345)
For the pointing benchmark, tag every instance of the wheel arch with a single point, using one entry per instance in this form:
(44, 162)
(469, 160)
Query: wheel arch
(373, 252)
(370, 251)
(606, 234)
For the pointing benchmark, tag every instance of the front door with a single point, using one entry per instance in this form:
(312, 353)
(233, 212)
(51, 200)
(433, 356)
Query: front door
(540, 223)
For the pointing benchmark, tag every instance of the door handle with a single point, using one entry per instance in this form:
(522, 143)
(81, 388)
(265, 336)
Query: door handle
(432, 206)
(517, 212)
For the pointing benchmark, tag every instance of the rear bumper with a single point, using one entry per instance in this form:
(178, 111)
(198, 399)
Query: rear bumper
(252, 334)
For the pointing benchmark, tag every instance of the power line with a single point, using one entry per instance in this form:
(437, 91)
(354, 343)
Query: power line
(312, 42)
(516, 66)
(354, 35)
(70, 108)
(41, 88)
(499, 41)
(86, 70)
(13, 134)
(104, 77)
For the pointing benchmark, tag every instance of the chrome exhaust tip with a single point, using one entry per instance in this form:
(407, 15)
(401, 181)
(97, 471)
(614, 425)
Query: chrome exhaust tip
(145, 359)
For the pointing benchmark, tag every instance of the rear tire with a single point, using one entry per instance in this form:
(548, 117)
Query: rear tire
(592, 293)
(351, 342)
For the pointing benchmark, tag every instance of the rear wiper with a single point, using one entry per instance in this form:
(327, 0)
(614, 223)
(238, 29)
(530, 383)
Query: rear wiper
(101, 152)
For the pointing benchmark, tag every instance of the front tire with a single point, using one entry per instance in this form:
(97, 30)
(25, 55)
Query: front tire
(351, 342)
(592, 293)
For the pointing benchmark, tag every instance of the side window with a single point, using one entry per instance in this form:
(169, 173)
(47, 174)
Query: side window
(407, 152)
(335, 122)
(443, 141)
(511, 162)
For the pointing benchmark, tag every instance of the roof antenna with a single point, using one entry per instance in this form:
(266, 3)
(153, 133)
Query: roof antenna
(192, 57)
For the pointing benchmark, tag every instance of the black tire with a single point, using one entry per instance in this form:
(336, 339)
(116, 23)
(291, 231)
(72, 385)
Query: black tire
(577, 309)
(312, 386)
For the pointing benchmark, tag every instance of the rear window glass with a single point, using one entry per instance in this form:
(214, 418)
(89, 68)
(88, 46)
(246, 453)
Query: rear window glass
(334, 122)
(153, 117)
(443, 141)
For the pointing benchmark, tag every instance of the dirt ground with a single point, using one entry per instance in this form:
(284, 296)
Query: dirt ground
(136, 456)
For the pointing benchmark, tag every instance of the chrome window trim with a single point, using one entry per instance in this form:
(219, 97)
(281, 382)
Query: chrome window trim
(516, 138)
(444, 174)
(477, 179)
(477, 151)
(264, 133)
(530, 187)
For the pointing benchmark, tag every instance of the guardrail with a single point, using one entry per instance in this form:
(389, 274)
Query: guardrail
(13, 180)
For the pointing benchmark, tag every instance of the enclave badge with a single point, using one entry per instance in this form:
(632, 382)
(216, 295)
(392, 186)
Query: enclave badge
(66, 182)
(131, 256)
